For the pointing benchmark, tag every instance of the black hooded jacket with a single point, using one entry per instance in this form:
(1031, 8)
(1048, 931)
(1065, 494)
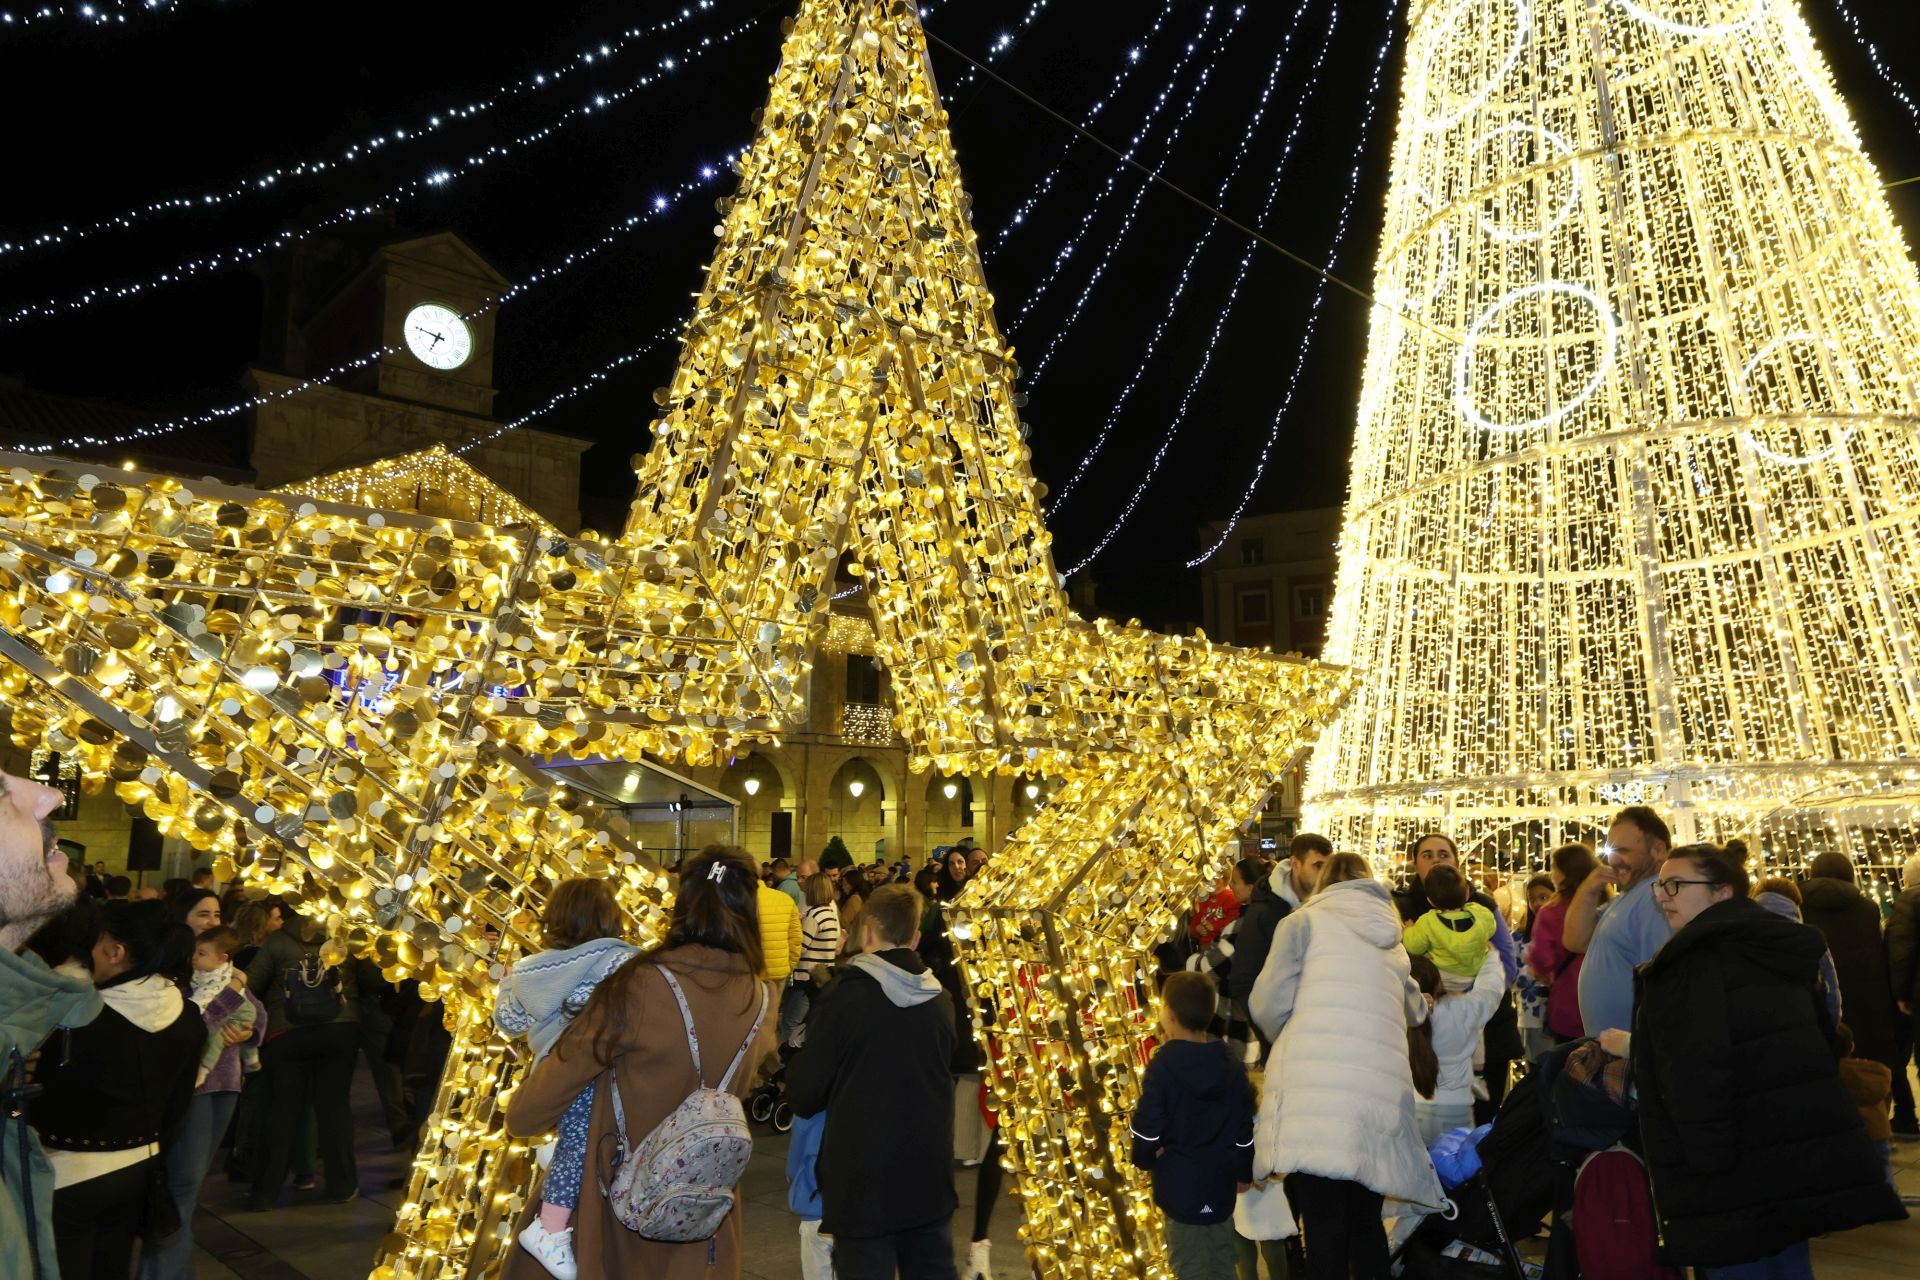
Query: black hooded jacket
(1194, 1130)
(1253, 938)
(1751, 1141)
(1851, 925)
(878, 1040)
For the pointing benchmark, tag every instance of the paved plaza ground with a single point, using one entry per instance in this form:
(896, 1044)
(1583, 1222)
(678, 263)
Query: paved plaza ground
(310, 1241)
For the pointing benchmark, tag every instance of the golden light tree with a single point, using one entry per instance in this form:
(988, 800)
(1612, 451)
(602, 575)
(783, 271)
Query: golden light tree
(352, 706)
(1635, 508)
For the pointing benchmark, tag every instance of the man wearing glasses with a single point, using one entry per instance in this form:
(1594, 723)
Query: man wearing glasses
(1619, 936)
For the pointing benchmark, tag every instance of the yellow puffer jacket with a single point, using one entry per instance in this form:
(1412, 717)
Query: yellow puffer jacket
(779, 934)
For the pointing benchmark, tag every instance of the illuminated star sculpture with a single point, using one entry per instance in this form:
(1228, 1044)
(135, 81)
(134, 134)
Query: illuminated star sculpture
(351, 706)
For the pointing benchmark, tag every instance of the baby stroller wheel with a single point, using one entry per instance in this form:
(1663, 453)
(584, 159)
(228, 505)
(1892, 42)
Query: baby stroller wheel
(760, 1105)
(782, 1116)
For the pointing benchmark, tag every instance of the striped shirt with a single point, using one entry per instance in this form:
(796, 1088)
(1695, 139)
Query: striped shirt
(819, 935)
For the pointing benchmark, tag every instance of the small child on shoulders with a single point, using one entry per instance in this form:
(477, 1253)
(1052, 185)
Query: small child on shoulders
(1456, 932)
(1193, 1131)
(538, 998)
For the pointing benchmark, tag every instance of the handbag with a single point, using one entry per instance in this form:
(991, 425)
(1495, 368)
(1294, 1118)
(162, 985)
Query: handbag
(1261, 1212)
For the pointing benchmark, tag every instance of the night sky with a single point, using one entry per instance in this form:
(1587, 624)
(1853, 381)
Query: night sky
(176, 104)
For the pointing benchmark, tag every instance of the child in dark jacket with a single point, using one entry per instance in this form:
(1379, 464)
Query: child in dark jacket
(1194, 1131)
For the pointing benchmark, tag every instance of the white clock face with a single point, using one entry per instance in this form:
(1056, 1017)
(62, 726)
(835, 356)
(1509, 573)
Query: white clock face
(438, 337)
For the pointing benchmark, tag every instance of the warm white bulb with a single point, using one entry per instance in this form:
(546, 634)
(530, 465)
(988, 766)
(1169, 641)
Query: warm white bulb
(753, 786)
(1033, 791)
(855, 787)
(951, 789)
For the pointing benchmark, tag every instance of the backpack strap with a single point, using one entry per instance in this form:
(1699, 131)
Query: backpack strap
(686, 1016)
(752, 1034)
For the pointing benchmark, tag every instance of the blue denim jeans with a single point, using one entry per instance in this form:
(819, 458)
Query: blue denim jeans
(569, 1167)
(1795, 1262)
(188, 1159)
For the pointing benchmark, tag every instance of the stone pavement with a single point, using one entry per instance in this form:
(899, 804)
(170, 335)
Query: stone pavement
(306, 1240)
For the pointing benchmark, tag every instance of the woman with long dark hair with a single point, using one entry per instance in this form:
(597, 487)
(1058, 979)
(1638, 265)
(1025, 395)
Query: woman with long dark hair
(1548, 960)
(114, 1091)
(633, 1028)
(1752, 1143)
(218, 991)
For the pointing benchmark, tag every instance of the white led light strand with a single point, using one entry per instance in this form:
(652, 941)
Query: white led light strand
(373, 145)
(1001, 43)
(1186, 271)
(1880, 66)
(96, 13)
(1128, 62)
(1113, 179)
(590, 382)
(1113, 243)
(1319, 290)
(661, 204)
(438, 178)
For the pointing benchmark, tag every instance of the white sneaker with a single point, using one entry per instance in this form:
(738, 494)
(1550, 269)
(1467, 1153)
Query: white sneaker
(978, 1268)
(551, 1249)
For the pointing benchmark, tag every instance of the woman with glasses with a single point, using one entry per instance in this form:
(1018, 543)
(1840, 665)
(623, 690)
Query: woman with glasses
(1751, 1143)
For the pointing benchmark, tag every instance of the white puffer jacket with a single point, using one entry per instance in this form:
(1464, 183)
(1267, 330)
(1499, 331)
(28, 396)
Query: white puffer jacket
(1336, 1000)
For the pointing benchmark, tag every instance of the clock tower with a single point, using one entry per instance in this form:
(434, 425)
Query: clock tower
(423, 306)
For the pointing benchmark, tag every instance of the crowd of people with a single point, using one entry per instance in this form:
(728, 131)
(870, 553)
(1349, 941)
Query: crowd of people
(148, 1030)
(1759, 1035)
(1319, 1033)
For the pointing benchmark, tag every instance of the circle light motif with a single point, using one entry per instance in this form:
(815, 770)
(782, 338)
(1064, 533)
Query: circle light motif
(1548, 138)
(1645, 14)
(1463, 363)
(1752, 441)
(1522, 31)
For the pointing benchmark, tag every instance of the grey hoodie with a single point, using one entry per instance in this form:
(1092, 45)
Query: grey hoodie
(903, 988)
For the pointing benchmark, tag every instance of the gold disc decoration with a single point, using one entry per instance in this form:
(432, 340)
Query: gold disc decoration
(351, 706)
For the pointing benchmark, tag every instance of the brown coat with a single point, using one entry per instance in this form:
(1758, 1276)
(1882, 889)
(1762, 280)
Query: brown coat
(655, 1073)
(1870, 1085)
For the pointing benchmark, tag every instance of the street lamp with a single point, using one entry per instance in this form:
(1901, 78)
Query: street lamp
(855, 787)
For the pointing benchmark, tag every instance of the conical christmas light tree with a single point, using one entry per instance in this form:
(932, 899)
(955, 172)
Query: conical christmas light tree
(1635, 504)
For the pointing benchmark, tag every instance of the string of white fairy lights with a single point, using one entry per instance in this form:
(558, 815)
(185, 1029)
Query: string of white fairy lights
(373, 145)
(92, 13)
(235, 255)
(1172, 306)
(1319, 291)
(1130, 60)
(1134, 143)
(1233, 295)
(1880, 67)
(1118, 238)
(1001, 43)
(591, 382)
(661, 205)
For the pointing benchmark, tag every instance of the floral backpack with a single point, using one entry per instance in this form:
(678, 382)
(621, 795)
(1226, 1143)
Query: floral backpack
(677, 1185)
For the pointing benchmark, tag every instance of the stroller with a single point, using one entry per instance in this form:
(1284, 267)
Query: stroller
(767, 1101)
(1473, 1238)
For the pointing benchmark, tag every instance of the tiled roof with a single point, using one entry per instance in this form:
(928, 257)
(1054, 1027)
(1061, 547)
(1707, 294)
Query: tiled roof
(41, 417)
